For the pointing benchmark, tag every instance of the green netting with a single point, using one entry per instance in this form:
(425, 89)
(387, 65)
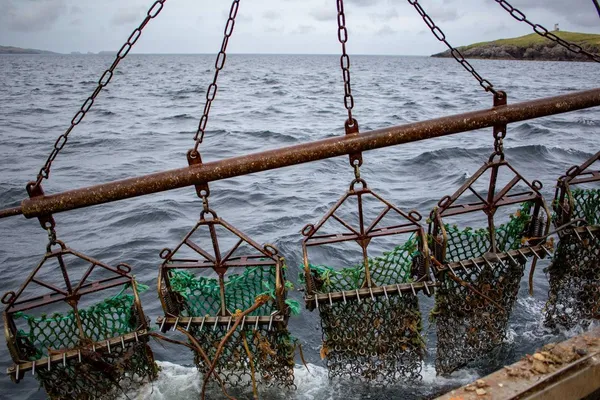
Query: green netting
(464, 244)
(113, 317)
(202, 295)
(391, 268)
(586, 205)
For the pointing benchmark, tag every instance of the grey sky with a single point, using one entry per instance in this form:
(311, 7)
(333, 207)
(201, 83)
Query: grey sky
(276, 26)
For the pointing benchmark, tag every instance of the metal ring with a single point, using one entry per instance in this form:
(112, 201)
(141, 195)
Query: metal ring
(358, 180)
(574, 170)
(270, 249)
(6, 300)
(165, 253)
(444, 201)
(124, 268)
(414, 214)
(537, 185)
(307, 230)
(211, 212)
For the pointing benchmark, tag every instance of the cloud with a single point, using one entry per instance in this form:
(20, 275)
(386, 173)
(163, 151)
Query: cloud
(324, 14)
(30, 16)
(127, 16)
(363, 3)
(386, 30)
(271, 15)
(384, 16)
(303, 29)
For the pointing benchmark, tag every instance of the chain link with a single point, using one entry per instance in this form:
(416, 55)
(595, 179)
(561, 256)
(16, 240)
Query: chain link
(345, 61)
(456, 54)
(219, 64)
(540, 30)
(104, 80)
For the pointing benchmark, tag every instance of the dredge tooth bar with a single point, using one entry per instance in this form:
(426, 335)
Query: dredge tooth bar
(18, 371)
(298, 154)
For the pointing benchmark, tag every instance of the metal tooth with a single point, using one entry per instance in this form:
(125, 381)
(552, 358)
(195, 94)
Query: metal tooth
(256, 323)
(451, 270)
(18, 370)
(202, 324)
(536, 255)
(33, 368)
(94, 347)
(317, 300)
(477, 265)
(399, 290)
(65, 359)
(79, 353)
(372, 296)
(270, 322)
(358, 296)
(175, 326)
(229, 323)
(136, 340)
(426, 288)
(578, 236)
(50, 363)
(547, 251)
(243, 322)
(465, 268)
(512, 259)
(501, 261)
(162, 325)
(330, 300)
(413, 289)
(122, 343)
(522, 254)
(344, 297)
(589, 231)
(108, 346)
(216, 323)
(187, 327)
(385, 293)
(485, 260)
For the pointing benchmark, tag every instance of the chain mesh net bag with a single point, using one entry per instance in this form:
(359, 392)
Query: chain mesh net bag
(97, 351)
(236, 321)
(479, 270)
(574, 274)
(370, 318)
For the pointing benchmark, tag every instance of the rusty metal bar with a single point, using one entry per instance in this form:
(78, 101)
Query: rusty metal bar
(292, 155)
(11, 212)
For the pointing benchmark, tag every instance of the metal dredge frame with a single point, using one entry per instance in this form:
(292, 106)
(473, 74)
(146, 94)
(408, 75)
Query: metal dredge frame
(564, 203)
(363, 236)
(71, 296)
(269, 257)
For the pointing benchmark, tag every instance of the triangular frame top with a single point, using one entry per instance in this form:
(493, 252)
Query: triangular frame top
(71, 293)
(363, 234)
(220, 262)
(496, 198)
(577, 174)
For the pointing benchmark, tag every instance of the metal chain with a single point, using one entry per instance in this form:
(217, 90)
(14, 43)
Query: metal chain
(106, 77)
(345, 61)
(540, 30)
(441, 36)
(219, 64)
(597, 5)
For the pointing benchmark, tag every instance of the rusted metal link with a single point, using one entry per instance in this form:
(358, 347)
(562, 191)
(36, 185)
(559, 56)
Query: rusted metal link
(298, 154)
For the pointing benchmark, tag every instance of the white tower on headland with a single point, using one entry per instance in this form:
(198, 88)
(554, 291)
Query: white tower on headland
(556, 28)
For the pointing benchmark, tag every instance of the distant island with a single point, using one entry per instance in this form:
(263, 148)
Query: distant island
(18, 50)
(531, 47)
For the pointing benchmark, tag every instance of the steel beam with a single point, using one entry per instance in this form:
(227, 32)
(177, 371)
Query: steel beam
(303, 153)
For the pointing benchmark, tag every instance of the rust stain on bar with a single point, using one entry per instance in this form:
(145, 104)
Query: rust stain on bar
(307, 152)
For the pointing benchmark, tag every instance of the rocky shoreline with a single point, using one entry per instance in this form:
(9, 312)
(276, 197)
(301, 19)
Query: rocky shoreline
(521, 49)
